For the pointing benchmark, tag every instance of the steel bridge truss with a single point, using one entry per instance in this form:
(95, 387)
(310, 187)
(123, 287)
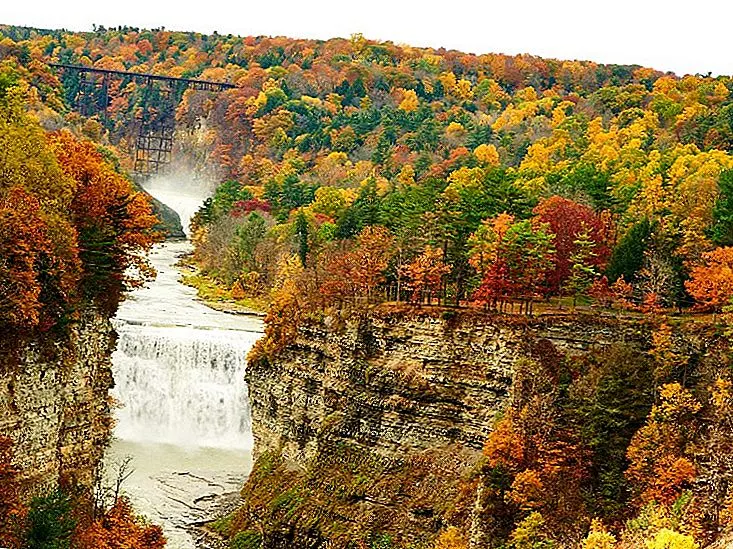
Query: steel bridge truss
(154, 127)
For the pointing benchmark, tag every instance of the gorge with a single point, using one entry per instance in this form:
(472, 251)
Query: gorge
(498, 294)
(179, 412)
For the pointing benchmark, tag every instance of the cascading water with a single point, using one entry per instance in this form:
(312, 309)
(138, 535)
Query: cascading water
(184, 409)
(183, 386)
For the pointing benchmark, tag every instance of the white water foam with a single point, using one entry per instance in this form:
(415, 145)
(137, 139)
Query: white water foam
(183, 386)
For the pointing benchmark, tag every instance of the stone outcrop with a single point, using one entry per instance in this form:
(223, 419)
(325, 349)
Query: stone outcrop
(54, 402)
(398, 382)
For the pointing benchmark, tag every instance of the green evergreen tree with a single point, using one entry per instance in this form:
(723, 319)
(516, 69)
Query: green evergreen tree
(50, 522)
(225, 196)
(628, 256)
(721, 230)
(364, 211)
(301, 231)
(582, 271)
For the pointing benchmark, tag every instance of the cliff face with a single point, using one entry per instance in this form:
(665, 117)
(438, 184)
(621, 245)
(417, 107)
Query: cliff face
(396, 383)
(377, 424)
(54, 403)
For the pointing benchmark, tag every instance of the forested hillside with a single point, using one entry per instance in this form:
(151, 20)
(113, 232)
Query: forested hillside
(72, 227)
(625, 166)
(356, 172)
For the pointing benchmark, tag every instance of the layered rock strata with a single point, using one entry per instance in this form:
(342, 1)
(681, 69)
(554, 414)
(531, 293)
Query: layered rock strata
(398, 382)
(55, 404)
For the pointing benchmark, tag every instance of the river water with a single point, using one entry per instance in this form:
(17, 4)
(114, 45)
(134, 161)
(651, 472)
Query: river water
(184, 408)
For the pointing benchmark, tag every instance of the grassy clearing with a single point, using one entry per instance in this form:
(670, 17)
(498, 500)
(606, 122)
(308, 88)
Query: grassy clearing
(221, 297)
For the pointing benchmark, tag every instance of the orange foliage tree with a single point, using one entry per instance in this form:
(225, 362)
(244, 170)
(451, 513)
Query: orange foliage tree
(542, 462)
(359, 272)
(39, 265)
(24, 244)
(70, 225)
(660, 464)
(114, 221)
(374, 249)
(711, 284)
(287, 305)
(119, 528)
(424, 275)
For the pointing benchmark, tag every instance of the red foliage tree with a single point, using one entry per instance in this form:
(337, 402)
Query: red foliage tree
(513, 257)
(567, 221)
(243, 207)
(118, 528)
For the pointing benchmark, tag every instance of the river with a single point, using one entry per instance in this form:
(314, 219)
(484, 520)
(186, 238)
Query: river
(183, 416)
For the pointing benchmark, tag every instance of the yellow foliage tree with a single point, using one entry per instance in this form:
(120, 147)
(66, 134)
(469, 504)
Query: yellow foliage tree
(451, 538)
(669, 539)
(487, 154)
(455, 130)
(407, 175)
(463, 90)
(599, 537)
(530, 533)
(409, 102)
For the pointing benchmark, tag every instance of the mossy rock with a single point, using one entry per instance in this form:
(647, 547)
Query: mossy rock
(169, 220)
(246, 540)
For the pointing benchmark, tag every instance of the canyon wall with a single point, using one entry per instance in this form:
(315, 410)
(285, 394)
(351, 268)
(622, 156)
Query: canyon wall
(376, 424)
(396, 382)
(54, 402)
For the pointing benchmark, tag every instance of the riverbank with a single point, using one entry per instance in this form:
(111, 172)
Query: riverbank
(215, 295)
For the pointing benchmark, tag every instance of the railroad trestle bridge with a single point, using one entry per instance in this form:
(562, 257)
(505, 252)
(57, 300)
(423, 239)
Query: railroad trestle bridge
(89, 91)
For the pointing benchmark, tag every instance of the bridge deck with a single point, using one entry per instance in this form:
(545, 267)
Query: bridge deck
(192, 82)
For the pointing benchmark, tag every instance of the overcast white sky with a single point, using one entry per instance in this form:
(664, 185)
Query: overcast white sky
(684, 37)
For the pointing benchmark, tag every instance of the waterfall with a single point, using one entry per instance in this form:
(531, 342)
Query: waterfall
(183, 385)
(183, 415)
(179, 366)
